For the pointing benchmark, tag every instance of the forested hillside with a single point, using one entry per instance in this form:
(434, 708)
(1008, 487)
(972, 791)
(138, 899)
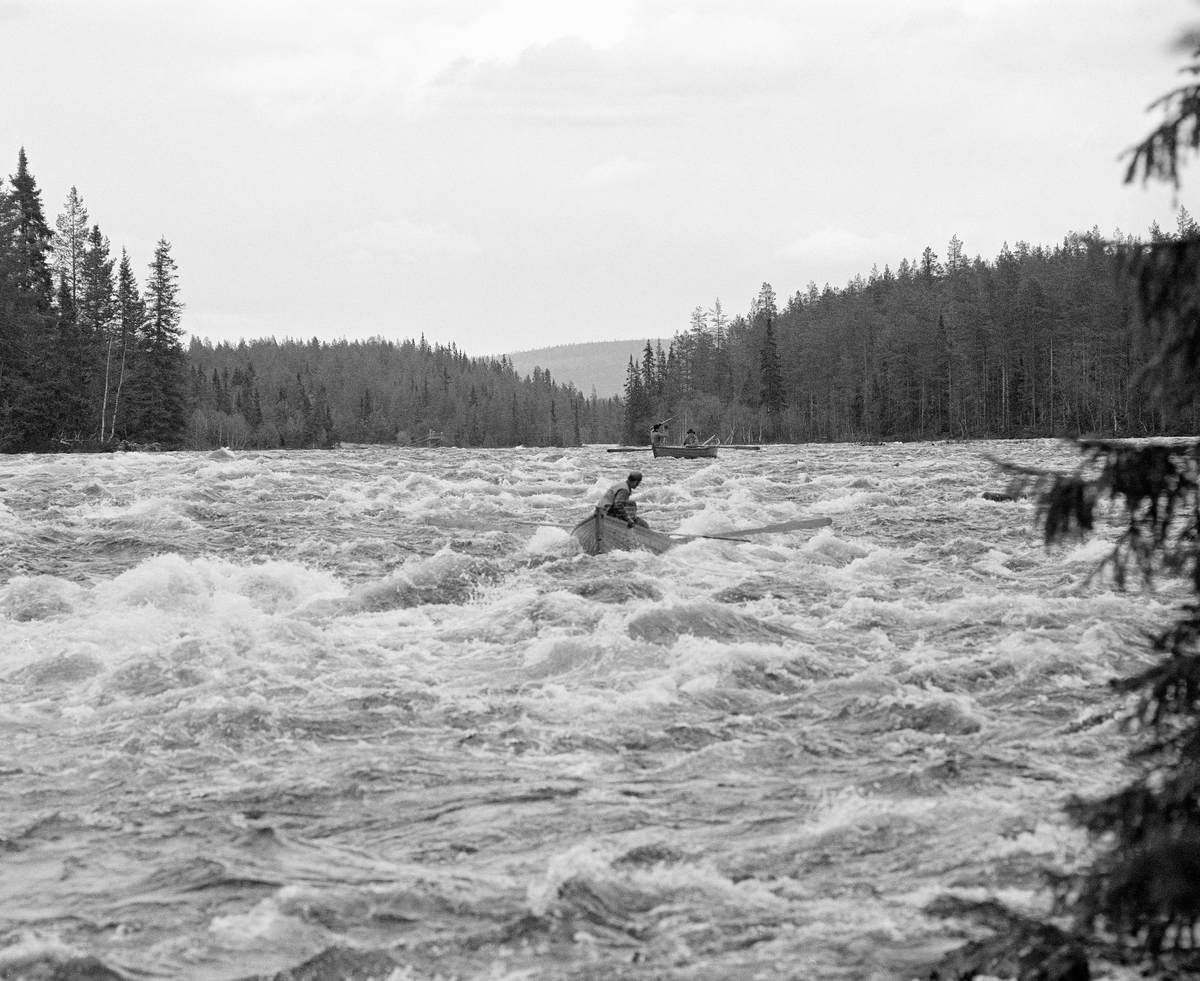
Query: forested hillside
(269, 393)
(1033, 343)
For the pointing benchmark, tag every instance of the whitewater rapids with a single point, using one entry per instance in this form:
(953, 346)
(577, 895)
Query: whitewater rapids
(338, 709)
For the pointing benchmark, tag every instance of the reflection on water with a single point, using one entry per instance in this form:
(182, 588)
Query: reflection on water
(358, 709)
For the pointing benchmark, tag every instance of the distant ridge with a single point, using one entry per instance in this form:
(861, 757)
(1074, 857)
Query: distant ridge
(599, 364)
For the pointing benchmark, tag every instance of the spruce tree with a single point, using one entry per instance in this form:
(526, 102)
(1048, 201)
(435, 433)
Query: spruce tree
(68, 411)
(159, 371)
(130, 316)
(14, 357)
(773, 399)
(33, 239)
(27, 356)
(97, 321)
(636, 410)
(1143, 884)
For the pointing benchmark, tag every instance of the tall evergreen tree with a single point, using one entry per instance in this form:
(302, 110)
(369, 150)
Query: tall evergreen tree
(67, 411)
(14, 359)
(70, 245)
(719, 322)
(930, 266)
(97, 320)
(773, 398)
(94, 300)
(636, 410)
(26, 321)
(33, 238)
(649, 370)
(159, 377)
(130, 316)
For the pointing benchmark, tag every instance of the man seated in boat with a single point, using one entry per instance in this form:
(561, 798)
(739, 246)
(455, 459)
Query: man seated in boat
(690, 439)
(616, 502)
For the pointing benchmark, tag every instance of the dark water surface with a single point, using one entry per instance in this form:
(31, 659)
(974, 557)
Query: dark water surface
(260, 708)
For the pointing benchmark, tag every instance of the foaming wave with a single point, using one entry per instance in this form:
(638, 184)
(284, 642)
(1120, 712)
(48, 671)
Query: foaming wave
(161, 515)
(447, 577)
(550, 541)
(665, 626)
(604, 896)
(38, 598)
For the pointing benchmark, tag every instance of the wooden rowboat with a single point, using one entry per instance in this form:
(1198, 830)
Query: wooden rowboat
(600, 533)
(696, 452)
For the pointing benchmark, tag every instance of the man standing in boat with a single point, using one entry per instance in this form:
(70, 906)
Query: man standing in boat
(617, 504)
(659, 433)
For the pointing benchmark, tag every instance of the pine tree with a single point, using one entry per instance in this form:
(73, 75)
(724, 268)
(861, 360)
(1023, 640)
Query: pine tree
(930, 267)
(764, 305)
(1185, 225)
(719, 322)
(955, 261)
(70, 245)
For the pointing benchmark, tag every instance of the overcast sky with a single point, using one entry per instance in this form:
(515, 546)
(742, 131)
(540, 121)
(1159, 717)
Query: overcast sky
(508, 175)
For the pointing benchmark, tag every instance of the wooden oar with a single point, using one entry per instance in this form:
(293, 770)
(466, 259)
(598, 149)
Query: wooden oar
(629, 449)
(794, 525)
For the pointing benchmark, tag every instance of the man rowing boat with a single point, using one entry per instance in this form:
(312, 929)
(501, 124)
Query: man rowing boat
(617, 504)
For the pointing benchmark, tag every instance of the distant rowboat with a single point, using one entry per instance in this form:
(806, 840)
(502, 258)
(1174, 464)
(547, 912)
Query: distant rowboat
(695, 452)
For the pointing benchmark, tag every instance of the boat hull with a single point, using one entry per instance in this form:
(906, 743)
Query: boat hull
(599, 533)
(685, 452)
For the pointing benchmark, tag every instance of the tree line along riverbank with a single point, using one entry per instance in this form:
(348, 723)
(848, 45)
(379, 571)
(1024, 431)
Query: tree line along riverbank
(1034, 342)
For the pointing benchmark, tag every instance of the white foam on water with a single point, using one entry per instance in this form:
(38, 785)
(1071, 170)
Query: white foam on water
(801, 733)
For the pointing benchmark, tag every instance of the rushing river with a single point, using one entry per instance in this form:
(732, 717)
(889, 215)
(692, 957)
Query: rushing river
(356, 710)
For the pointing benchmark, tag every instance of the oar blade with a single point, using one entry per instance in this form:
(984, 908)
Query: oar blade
(797, 524)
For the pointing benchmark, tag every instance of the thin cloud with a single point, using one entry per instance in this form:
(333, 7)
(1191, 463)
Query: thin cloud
(616, 172)
(840, 245)
(410, 241)
(399, 59)
(528, 58)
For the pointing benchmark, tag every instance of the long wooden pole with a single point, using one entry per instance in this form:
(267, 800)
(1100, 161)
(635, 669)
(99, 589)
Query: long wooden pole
(796, 524)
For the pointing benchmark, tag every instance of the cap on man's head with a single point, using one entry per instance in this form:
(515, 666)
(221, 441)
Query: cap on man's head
(635, 477)
(691, 430)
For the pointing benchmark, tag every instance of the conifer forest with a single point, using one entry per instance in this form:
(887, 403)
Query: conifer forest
(1034, 342)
